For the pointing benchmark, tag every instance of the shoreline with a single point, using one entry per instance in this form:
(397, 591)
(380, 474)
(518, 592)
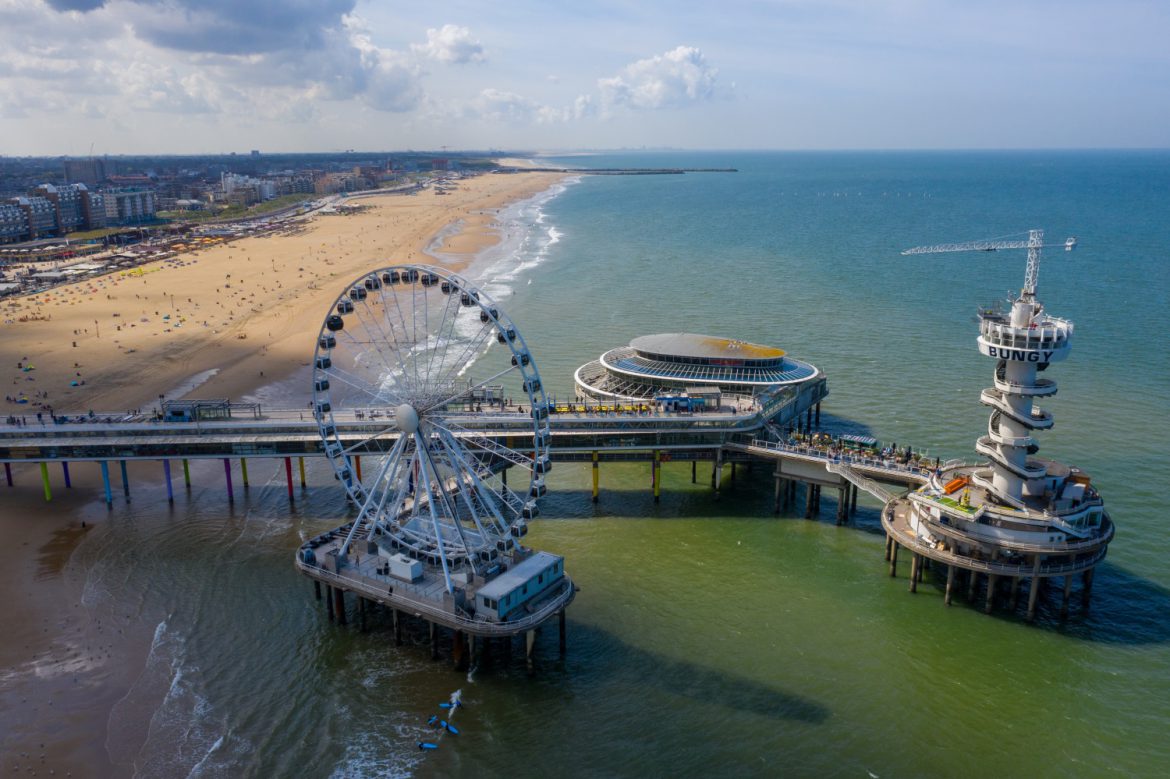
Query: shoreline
(65, 668)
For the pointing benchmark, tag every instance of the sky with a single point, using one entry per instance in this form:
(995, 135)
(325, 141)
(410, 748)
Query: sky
(216, 76)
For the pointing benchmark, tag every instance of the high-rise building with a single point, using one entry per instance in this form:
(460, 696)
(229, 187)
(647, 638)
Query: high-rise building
(92, 171)
(42, 216)
(68, 200)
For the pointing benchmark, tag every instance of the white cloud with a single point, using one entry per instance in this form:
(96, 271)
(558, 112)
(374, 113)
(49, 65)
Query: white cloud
(673, 79)
(452, 45)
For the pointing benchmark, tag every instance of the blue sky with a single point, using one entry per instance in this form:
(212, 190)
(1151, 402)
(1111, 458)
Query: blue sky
(195, 76)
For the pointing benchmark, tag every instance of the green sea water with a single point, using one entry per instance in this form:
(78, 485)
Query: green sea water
(710, 637)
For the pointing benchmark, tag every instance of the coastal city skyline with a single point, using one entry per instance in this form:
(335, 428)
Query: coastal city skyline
(81, 77)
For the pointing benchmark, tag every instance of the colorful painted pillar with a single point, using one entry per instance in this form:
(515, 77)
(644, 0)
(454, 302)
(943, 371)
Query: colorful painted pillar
(301, 464)
(106, 484)
(288, 476)
(596, 475)
(125, 480)
(65, 471)
(186, 473)
(244, 470)
(167, 476)
(227, 472)
(45, 481)
(8, 473)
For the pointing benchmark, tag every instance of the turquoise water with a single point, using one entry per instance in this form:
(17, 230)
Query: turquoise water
(711, 638)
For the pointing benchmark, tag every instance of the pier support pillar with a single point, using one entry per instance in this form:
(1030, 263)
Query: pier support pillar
(894, 558)
(733, 469)
(842, 505)
(361, 613)
(889, 541)
(288, 476)
(530, 650)
(317, 589)
(106, 484)
(1086, 588)
(717, 475)
(65, 473)
(808, 421)
(950, 585)
(694, 471)
(329, 601)
(8, 473)
(339, 606)
(227, 472)
(1067, 593)
(434, 640)
(244, 470)
(459, 651)
(186, 473)
(301, 464)
(1034, 589)
(989, 604)
(125, 480)
(656, 474)
(167, 479)
(818, 416)
(972, 586)
(561, 631)
(779, 488)
(915, 565)
(1014, 597)
(853, 501)
(396, 617)
(596, 476)
(45, 481)
(809, 501)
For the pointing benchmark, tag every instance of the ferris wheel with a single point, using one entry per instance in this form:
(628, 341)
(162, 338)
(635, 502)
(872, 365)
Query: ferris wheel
(423, 447)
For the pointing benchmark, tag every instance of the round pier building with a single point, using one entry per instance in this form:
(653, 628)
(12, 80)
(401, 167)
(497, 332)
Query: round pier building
(686, 368)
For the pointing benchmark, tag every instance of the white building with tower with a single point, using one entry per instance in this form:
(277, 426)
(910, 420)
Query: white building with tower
(1018, 516)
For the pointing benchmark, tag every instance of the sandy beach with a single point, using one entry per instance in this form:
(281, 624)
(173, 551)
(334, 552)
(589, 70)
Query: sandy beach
(248, 309)
(246, 312)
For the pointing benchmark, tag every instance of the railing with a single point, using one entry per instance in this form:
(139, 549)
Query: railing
(812, 454)
(480, 627)
(869, 485)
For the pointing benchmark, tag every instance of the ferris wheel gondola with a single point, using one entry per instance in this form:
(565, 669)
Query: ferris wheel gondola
(392, 391)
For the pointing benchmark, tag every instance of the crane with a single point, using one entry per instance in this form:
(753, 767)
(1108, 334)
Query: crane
(1034, 243)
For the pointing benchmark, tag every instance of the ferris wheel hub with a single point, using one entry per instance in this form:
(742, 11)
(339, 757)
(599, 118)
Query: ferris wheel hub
(406, 418)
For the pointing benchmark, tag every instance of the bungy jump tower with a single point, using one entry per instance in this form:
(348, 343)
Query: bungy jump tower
(1018, 516)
